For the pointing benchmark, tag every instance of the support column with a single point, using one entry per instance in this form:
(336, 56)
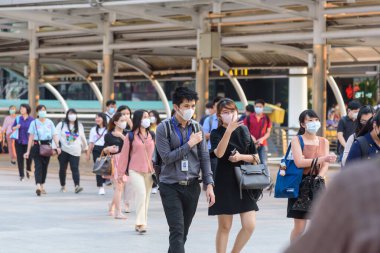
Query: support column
(107, 80)
(297, 96)
(202, 85)
(33, 92)
(320, 66)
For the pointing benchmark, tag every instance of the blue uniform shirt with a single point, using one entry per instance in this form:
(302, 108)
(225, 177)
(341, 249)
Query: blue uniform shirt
(206, 126)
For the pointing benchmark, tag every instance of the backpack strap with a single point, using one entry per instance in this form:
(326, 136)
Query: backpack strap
(364, 146)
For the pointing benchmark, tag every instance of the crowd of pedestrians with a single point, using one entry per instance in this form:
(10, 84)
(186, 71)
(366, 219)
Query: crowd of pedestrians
(186, 153)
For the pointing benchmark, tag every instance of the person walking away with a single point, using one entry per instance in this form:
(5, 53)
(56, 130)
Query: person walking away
(233, 146)
(137, 155)
(70, 141)
(20, 127)
(110, 109)
(316, 149)
(96, 146)
(113, 144)
(41, 131)
(155, 121)
(365, 113)
(7, 129)
(346, 126)
(367, 145)
(250, 108)
(184, 154)
(259, 126)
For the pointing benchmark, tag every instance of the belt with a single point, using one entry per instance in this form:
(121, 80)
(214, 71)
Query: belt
(189, 182)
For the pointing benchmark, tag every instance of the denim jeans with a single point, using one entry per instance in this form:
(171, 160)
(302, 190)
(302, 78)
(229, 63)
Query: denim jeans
(263, 154)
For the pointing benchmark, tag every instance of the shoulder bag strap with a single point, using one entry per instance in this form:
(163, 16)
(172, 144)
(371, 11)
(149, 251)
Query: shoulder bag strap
(38, 136)
(105, 129)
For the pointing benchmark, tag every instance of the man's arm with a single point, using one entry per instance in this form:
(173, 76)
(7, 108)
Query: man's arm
(169, 156)
(340, 131)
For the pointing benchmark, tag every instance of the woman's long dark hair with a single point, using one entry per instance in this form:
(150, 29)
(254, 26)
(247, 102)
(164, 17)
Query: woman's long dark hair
(67, 121)
(302, 117)
(104, 118)
(156, 115)
(124, 107)
(137, 118)
(363, 110)
(112, 125)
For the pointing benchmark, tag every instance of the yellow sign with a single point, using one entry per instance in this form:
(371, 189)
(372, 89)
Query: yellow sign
(235, 72)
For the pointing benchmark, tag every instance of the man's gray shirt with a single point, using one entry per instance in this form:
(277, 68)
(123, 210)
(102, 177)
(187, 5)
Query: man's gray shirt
(172, 153)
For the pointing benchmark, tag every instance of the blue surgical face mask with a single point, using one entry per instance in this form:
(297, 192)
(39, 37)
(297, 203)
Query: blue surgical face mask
(259, 110)
(42, 114)
(111, 110)
(313, 127)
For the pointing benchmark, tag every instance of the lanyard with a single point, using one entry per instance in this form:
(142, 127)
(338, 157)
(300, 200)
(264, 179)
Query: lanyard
(179, 134)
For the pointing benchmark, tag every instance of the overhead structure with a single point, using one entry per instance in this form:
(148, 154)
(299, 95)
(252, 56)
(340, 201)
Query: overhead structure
(340, 38)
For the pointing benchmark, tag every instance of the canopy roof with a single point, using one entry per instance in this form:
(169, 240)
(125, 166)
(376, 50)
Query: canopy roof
(160, 36)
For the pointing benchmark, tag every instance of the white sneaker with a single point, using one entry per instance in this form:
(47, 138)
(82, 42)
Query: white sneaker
(154, 190)
(101, 191)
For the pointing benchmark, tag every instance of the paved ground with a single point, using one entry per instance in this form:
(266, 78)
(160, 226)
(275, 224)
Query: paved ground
(67, 222)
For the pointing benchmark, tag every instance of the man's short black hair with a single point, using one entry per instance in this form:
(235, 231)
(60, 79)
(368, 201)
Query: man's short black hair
(354, 105)
(110, 102)
(183, 93)
(260, 101)
(209, 105)
(250, 108)
(217, 99)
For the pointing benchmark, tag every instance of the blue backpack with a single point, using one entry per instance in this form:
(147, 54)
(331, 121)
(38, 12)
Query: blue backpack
(288, 186)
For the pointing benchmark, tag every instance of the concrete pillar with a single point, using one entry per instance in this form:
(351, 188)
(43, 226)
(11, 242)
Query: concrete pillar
(320, 66)
(107, 79)
(297, 95)
(202, 85)
(33, 92)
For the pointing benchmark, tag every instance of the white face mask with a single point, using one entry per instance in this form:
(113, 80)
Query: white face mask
(122, 125)
(145, 123)
(227, 118)
(313, 127)
(153, 120)
(207, 112)
(354, 115)
(72, 117)
(186, 114)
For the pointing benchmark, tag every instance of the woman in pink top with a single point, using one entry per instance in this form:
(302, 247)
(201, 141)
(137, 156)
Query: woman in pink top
(7, 128)
(137, 151)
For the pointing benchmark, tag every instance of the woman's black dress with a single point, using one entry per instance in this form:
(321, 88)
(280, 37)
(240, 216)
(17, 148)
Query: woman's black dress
(227, 192)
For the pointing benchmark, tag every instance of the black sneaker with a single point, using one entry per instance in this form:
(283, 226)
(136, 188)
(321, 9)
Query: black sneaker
(38, 192)
(27, 175)
(13, 162)
(78, 189)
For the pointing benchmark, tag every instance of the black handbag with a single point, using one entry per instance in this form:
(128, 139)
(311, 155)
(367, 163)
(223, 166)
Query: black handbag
(310, 187)
(252, 177)
(103, 165)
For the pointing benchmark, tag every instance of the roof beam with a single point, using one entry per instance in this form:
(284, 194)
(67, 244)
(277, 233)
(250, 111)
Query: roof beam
(13, 35)
(271, 7)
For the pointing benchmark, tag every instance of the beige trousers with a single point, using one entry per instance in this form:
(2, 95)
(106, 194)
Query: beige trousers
(141, 184)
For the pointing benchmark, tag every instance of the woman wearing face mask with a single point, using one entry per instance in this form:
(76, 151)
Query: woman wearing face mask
(70, 141)
(367, 145)
(96, 145)
(7, 129)
(314, 147)
(233, 146)
(41, 130)
(137, 157)
(21, 127)
(365, 113)
(154, 119)
(127, 113)
(113, 143)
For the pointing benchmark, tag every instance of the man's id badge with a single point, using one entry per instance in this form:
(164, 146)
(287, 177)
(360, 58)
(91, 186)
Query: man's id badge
(184, 165)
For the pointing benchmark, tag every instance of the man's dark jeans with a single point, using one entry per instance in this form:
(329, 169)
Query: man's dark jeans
(180, 203)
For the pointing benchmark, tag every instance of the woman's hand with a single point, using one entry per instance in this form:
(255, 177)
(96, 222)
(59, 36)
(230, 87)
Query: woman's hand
(235, 158)
(26, 155)
(329, 158)
(234, 124)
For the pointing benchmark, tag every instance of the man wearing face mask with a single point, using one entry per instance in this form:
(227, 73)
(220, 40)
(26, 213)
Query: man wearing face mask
(259, 126)
(111, 109)
(184, 154)
(346, 125)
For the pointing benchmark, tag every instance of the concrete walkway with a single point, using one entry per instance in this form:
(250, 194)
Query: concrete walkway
(69, 222)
